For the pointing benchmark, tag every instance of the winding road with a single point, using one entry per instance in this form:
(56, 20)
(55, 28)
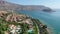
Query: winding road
(38, 25)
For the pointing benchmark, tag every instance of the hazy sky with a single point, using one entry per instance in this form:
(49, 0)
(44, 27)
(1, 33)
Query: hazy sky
(48, 3)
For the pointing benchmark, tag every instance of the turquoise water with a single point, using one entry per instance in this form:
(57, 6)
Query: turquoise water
(51, 19)
(30, 31)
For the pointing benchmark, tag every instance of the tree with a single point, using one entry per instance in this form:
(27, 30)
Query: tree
(44, 26)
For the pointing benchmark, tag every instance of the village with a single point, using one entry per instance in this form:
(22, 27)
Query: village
(13, 23)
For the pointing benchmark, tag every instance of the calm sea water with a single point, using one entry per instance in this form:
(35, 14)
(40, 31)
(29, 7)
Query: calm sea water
(51, 19)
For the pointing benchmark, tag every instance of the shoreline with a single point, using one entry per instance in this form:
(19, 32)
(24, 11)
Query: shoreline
(48, 27)
(42, 28)
(48, 30)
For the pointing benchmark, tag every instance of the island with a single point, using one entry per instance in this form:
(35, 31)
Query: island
(4, 5)
(15, 23)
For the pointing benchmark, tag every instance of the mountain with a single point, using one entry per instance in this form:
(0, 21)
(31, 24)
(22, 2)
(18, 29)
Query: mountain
(4, 5)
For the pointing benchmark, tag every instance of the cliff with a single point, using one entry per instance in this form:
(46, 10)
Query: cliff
(9, 6)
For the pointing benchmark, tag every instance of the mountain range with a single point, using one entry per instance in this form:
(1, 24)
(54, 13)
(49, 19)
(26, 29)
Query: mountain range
(4, 5)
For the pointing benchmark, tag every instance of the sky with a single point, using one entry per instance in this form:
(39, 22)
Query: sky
(54, 4)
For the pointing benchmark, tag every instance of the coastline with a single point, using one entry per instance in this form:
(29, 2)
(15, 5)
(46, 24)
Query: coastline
(48, 27)
(48, 31)
(42, 28)
(51, 28)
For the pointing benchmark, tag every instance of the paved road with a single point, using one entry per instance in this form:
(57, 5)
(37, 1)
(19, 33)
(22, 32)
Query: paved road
(38, 25)
(37, 28)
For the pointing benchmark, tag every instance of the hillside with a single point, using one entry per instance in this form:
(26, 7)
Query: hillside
(9, 6)
(14, 23)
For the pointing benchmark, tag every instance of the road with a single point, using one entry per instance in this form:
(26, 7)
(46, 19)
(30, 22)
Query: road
(38, 25)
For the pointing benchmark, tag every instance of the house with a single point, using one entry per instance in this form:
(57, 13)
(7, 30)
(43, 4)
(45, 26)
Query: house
(15, 18)
(28, 21)
(8, 18)
(5, 32)
(14, 29)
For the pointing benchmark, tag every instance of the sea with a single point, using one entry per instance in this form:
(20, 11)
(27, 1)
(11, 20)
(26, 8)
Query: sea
(51, 19)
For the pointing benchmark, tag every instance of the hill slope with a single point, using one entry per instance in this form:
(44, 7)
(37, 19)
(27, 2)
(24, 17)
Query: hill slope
(9, 6)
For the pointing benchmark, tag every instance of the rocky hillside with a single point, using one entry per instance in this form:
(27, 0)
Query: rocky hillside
(9, 6)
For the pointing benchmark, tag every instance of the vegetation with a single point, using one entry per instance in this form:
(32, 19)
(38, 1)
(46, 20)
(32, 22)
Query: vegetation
(5, 26)
(42, 28)
(21, 25)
